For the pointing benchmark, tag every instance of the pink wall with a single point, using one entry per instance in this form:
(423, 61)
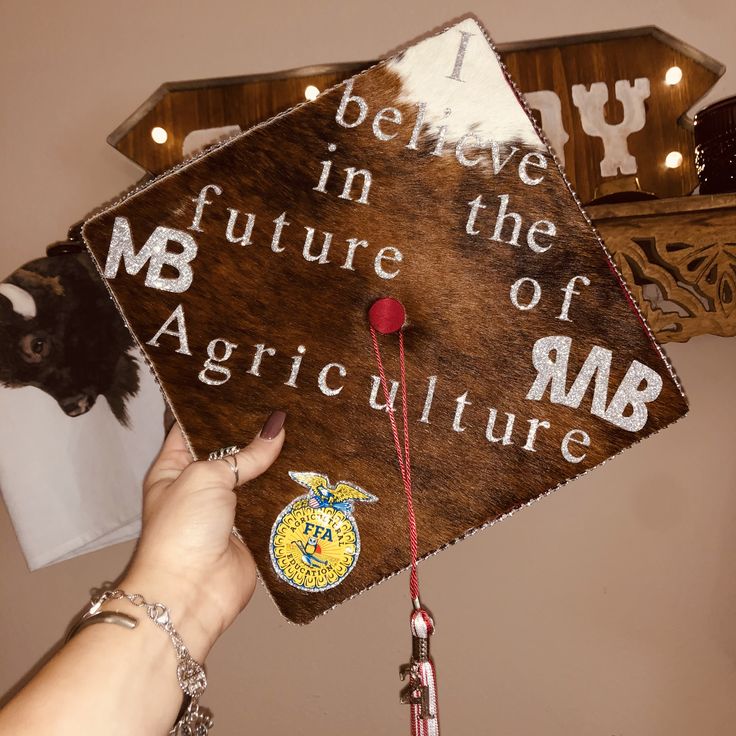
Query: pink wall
(607, 608)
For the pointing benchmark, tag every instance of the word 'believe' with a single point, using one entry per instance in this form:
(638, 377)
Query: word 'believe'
(468, 149)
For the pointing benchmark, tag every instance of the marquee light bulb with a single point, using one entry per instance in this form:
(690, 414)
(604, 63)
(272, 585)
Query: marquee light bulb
(311, 92)
(673, 76)
(673, 160)
(159, 135)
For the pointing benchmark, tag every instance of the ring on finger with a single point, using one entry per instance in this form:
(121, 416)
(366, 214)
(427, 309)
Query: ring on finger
(232, 463)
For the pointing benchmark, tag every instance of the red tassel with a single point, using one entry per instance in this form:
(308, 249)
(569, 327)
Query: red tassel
(420, 693)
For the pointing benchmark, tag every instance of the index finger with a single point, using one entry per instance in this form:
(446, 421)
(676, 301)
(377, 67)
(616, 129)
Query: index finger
(172, 459)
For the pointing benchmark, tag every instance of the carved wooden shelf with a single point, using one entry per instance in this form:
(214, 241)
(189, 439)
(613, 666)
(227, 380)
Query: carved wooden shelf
(679, 258)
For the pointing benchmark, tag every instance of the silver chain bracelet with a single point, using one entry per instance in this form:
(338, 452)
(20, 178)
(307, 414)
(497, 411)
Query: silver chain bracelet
(192, 720)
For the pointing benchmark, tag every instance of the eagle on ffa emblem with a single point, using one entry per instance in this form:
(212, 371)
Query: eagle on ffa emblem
(315, 541)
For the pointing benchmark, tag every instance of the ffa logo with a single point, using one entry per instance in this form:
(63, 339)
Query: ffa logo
(315, 541)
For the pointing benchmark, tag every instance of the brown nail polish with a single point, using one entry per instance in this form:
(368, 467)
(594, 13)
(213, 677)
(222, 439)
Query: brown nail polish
(273, 425)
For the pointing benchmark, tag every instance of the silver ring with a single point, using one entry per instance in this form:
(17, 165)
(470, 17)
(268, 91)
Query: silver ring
(233, 466)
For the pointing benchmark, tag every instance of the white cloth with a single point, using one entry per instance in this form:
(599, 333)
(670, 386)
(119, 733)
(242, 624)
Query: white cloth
(73, 484)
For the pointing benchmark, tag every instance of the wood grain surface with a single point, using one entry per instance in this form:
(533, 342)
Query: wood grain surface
(679, 258)
(554, 64)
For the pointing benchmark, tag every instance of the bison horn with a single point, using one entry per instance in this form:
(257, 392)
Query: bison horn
(21, 301)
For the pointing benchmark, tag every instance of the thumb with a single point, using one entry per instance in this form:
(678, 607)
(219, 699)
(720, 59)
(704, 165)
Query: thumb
(259, 455)
(251, 461)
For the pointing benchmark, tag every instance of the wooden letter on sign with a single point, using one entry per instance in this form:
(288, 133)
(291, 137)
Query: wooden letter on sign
(246, 276)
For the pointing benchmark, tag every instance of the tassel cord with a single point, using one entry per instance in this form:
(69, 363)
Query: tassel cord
(402, 454)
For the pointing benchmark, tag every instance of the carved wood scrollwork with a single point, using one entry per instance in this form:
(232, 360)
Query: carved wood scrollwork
(678, 257)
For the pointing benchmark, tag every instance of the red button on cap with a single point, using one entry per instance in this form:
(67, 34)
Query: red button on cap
(387, 315)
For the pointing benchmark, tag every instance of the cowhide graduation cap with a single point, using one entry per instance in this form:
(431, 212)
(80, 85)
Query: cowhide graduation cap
(506, 338)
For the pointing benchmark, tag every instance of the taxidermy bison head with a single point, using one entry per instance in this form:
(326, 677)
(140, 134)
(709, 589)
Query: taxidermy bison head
(60, 332)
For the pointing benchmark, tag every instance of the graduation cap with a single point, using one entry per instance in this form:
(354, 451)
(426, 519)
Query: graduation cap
(403, 247)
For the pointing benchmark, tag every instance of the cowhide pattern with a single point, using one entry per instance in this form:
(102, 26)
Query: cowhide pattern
(462, 327)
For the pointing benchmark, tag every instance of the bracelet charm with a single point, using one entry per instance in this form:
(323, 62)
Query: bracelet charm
(192, 720)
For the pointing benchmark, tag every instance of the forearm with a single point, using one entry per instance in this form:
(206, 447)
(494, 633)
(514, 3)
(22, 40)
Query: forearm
(115, 680)
(109, 679)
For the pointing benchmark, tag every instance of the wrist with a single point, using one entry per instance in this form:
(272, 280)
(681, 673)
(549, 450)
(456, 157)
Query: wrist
(132, 610)
(193, 619)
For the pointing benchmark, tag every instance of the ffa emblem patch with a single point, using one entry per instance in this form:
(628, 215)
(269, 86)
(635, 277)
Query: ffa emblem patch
(315, 541)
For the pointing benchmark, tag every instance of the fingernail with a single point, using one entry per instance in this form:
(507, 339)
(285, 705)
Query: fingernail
(273, 425)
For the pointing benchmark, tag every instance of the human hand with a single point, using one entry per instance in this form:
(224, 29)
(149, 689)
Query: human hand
(187, 557)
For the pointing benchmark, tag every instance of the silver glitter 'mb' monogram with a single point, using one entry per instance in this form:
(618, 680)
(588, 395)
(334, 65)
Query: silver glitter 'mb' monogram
(154, 253)
(628, 407)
